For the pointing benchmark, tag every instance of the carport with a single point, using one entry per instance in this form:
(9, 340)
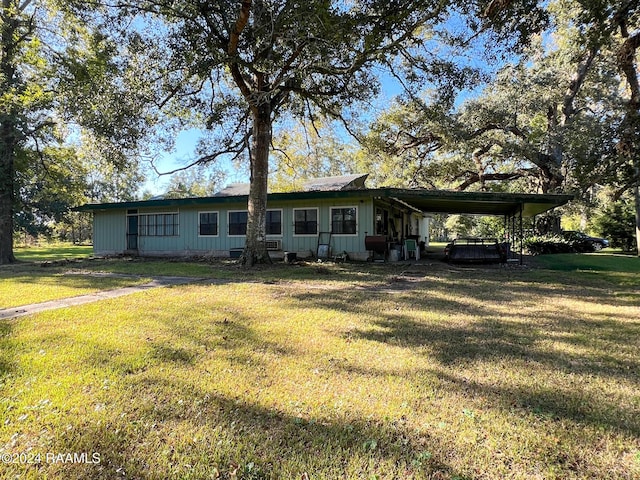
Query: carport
(512, 207)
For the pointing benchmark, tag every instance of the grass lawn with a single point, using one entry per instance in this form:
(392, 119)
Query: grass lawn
(33, 286)
(333, 371)
(52, 252)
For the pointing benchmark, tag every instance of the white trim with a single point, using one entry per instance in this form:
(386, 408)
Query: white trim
(217, 212)
(162, 212)
(341, 207)
(317, 209)
(229, 212)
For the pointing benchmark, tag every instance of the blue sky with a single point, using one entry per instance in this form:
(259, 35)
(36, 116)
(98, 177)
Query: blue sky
(186, 141)
(182, 155)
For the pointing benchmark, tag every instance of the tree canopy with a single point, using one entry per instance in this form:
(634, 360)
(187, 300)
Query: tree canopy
(62, 80)
(237, 68)
(561, 117)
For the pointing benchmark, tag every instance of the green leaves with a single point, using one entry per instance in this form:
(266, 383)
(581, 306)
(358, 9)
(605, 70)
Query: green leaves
(370, 445)
(62, 85)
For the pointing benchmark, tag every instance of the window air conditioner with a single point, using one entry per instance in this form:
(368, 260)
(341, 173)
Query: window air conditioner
(274, 245)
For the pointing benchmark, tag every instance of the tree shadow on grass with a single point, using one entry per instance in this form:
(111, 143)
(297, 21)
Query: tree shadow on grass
(455, 347)
(557, 404)
(492, 338)
(467, 323)
(171, 428)
(468, 328)
(229, 332)
(216, 436)
(5, 359)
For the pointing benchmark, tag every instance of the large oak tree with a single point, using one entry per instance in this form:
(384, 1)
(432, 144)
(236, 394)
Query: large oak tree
(239, 66)
(566, 117)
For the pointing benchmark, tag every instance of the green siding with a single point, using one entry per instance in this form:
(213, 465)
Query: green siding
(110, 229)
(109, 232)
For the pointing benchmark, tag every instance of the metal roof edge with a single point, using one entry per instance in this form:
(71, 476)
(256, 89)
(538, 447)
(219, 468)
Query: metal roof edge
(177, 202)
(385, 192)
(498, 196)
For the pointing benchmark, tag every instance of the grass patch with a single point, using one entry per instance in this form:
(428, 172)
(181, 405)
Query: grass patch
(333, 371)
(34, 287)
(159, 267)
(225, 269)
(617, 269)
(50, 253)
(601, 261)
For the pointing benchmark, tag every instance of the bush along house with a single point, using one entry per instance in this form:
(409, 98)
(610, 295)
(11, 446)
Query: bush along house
(328, 217)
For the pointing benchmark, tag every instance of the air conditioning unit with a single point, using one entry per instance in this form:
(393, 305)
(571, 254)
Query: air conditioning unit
(274, 244)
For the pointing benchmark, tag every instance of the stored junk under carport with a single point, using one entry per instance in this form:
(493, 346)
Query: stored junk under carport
(512, 207)
(476, 250)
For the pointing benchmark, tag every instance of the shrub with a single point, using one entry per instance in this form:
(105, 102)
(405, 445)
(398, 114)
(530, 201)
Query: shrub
(618, 223)
(547, 244)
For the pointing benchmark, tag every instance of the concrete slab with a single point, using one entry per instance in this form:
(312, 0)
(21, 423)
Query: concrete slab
(156, 282)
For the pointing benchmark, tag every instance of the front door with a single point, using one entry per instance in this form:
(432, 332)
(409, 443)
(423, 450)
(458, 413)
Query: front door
(132, 232)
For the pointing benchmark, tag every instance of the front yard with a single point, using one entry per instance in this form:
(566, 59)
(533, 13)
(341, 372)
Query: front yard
(332, 371)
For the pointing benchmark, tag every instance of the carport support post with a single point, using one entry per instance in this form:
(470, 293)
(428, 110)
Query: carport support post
(507, 238)
(510, 227)
(521, 237)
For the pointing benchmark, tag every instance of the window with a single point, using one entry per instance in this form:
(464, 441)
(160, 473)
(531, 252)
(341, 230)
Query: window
(305, 221)
(238, 223)
(158, 224)
(208, 224)
(274, 222)
(343, 221)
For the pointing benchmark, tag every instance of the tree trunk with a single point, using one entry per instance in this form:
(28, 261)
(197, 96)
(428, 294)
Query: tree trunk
(6, 201)
(551, 176)
(626, 57)
(255, 250)
(637, 198)
(7, 138)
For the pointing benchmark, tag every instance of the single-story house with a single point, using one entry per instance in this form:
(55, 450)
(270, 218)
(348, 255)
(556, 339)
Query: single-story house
(327, 217)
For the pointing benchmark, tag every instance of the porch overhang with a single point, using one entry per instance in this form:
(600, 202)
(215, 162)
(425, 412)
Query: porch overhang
(479, 203)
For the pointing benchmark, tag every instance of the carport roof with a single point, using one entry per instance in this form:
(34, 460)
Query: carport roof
(428, 201)
(479, 203)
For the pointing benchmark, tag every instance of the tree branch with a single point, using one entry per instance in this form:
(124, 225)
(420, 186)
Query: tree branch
(492, 126)
(475, 178)
(236, 149)
(232, 50)
(577, 80)
(626, 60)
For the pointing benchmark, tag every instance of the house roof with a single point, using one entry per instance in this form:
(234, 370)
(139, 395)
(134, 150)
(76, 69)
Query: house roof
(233, 189)
(428, 201)
(343, 182)
(324, 184)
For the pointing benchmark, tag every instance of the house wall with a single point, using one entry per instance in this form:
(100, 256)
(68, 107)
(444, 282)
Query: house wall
(110, 230)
